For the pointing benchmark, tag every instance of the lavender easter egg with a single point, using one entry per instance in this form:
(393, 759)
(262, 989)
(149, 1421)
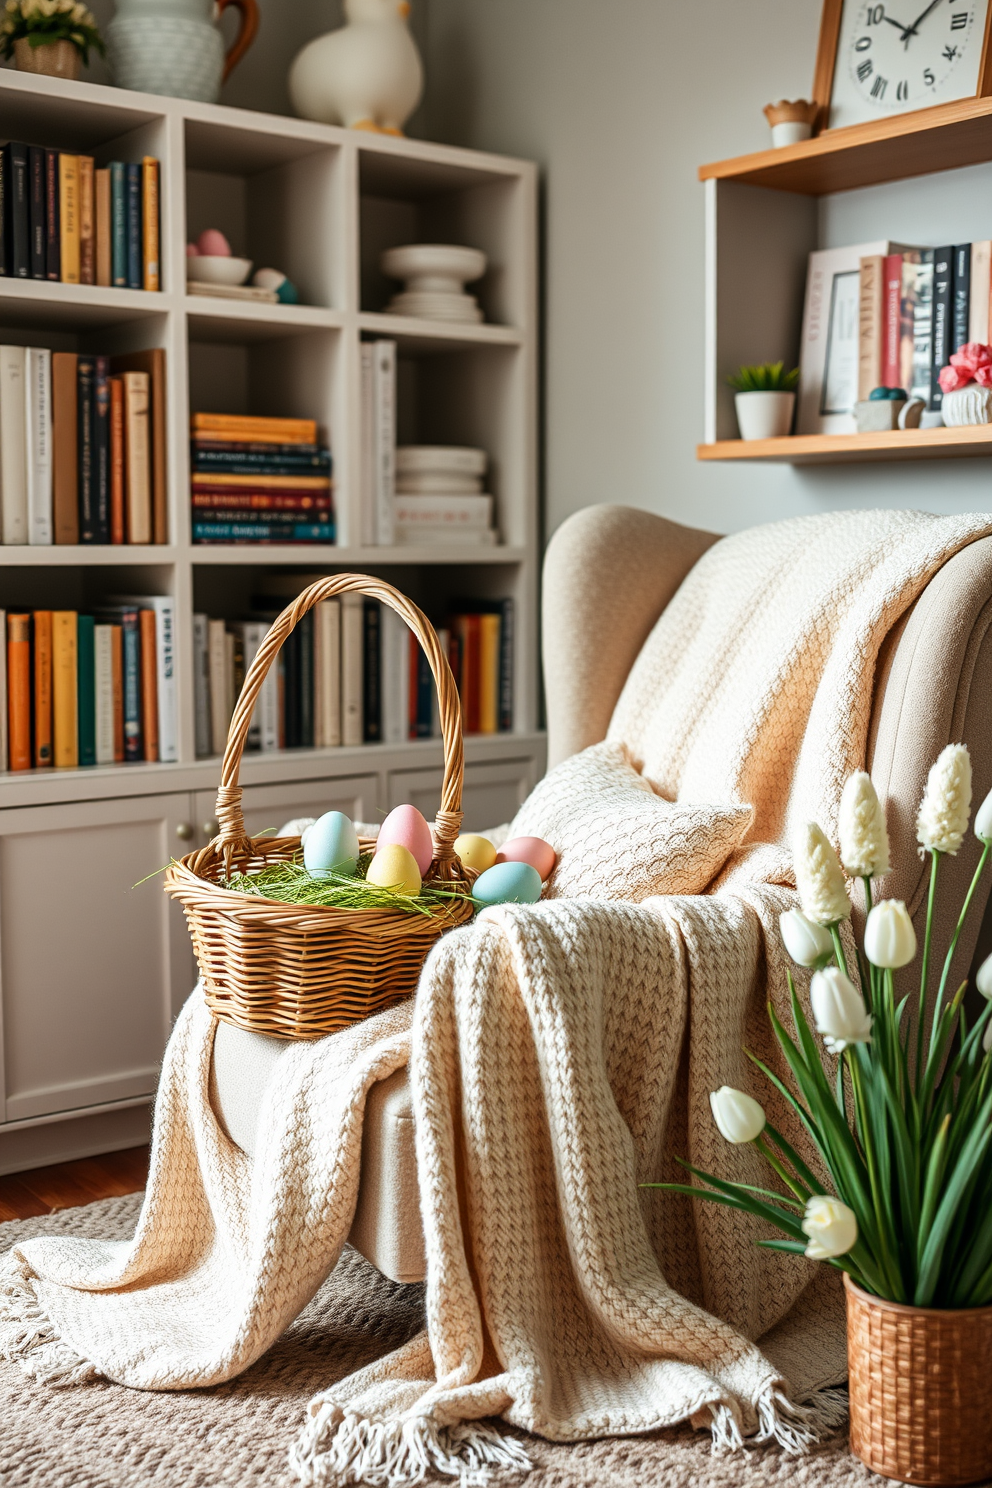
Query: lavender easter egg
(533, 850)
(508, 883)
(213, 243)
(331, 845)
(405, 825)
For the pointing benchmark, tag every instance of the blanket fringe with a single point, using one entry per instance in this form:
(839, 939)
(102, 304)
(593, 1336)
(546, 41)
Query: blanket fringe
(338, 1447)
(799, 1428)
(27, 1336)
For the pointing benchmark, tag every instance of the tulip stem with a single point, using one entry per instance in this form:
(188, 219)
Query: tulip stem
(865, 967)
(801, 1193)
(954, 940)
(839, 956)
(934, 865)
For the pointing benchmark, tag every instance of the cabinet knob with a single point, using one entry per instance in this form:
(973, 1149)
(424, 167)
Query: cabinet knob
(184, 831)
(211, 827)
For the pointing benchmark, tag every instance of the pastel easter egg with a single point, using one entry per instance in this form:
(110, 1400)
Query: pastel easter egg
(405, 825)
(533, 850)
(331, 845)
(394, 867)
(475, 852)
(192, 251)
(213, 243)
(508, 883)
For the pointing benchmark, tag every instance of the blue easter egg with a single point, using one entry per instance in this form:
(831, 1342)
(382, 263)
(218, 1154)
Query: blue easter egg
(508, 883)
(331, 845)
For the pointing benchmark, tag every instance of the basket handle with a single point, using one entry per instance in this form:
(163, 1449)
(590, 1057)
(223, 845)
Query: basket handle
(232, 837)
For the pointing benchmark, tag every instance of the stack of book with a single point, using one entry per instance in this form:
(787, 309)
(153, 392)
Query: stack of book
(96, 689)
(259, 480)
(65, 220)
(480, 652)
(82, 447)
(439, 496)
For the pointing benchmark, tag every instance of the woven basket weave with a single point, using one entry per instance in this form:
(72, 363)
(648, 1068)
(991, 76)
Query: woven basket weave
(921, 1389)
(298, 971)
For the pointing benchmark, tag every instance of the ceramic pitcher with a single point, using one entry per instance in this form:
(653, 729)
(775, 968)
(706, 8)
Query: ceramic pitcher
(174, 46)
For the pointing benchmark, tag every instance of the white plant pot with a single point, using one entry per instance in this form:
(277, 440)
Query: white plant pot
(790, 132)
(967, 405)
(764, 415)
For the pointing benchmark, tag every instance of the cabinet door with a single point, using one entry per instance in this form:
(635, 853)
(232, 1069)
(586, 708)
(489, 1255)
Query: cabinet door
(490, 796)
(93, 965)
(271, 806)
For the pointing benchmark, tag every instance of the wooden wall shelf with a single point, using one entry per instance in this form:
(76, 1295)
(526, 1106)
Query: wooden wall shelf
(849, 449)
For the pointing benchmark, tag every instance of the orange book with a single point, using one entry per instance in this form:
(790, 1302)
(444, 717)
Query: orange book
(117, 674)
(65, 730)
(69, 217)
(257, 430)
(101, 225)
(489, 629)
(19, 691)
(116, 460)
(87, 238)
(149, 685)
(42, 688)
(149, 218)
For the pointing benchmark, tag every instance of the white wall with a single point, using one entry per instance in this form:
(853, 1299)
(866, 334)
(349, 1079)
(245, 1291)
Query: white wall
(620, 101)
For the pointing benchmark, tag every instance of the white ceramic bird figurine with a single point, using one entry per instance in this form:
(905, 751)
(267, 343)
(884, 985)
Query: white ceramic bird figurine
(367, 75)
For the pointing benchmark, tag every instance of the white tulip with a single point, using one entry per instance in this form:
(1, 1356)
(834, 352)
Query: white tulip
(983, 978)
(987, 1038)
(983, 819)
(805, 942)
(890, 940)
(838, 1010)
(864, 842)
(946, 805)
(831, 1226)
(819, 877)
(739, 1118)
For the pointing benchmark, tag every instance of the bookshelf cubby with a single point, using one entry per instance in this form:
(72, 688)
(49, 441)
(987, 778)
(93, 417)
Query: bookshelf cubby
(320, 203)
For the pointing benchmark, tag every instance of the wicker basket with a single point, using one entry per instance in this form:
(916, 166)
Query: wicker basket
(921, 1389)
(301, 971)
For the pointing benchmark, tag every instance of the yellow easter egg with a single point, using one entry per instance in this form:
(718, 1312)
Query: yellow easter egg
(394, 867)
(475, 852)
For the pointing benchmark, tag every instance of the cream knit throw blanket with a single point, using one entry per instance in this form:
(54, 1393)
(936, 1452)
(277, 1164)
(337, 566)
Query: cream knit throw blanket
(561, 1055)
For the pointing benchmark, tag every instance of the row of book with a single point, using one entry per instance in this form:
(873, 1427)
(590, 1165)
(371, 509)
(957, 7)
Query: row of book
(82, 447)
(887, 315)
(259, 480)
(64, 219)
(96, 689)
(351, 672)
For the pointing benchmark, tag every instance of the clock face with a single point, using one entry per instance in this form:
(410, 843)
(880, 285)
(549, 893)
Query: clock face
(896, 55)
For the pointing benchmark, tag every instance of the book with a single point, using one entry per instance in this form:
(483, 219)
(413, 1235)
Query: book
(258, 430)
(245, 459)
(201, 685)
(13, 444)
(69, 216)
(38, 443)
(4, 270)
(230, 686)
(962, 296)
(489, 633)
(86, 689)
(871, 324)
(149, 222)
(16, 218)
(384, 404)
(251, 634)
(152, 362)
(304, 630)
(157, 621)
(916, 323)
(87, 224)
(352, 637)
(136, 458)
(118, 226)
(224, 481)
(38, 258)
(116, 461)
(53, 231)
(103, 693)
(469, 631)
(942, 322)
(132, 693)
(327, 674)
(65, 448)
(19, 691)
(507, 646)
(149, 684)
(86, 465)
(4, 739)
(292, 701)
(117, 678)
(65, 683)
(366, 471)
(371, 672)
(422, 692)
(891, 310)
(266, 532)
(395, 675)
(132, 188)
(217, 665)
(42, 647)
(261, 501)
(102, 230)
(101, 448)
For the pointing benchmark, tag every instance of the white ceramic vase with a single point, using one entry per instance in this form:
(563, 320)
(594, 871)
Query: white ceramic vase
(764, 415)
(790, 132)
(967, 405)
(366, 75)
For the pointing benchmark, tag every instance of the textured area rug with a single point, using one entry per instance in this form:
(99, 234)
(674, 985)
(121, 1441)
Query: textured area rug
(103, 1436)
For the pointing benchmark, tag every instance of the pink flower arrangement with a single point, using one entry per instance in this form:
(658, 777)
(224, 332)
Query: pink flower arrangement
(971, 363)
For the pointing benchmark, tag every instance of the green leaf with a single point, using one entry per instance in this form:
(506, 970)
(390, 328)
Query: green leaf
(972, 1154)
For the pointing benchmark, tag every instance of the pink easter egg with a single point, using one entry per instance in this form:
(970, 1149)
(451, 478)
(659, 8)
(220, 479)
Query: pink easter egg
(406, 826)
(192, 251)
(213, 243)
(533, 850)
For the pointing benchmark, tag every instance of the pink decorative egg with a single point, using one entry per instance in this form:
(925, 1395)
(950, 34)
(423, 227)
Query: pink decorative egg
(213, 243)
(406, 826)
(533, 850)
(192, 251)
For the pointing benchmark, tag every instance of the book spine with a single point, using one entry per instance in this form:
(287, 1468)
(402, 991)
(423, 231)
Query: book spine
(38, 440)
(327, 674)
(962, 295)
(13, 444)
(118, 226)
(4, 735)
(210, 461)
(291, 709)
(86, 689)
(871, 319)
(149, 685)
(385, 440)
(266, 532)
(316, 485)
(157, 436)
(43, 753)
(4, 271)
(85, 393)
(319, 677)
(65, 448)
(367, 452)
(489, 629)
(980, 283)
(413, 687)
(69, 216)
(65, 683)
(916, 322)
(201, 685)
(149, 204)
(269, 707)
(117, 675)
(19, 691)
(892, 310)
(103, 690)
(219, 716)
(53, 231)
(132, 186)
(252, 634)
(352, 636)
(942, 310)
(117, 507)
(17, 219)
(87, 227)
(102, 231)
(304, 630)
(230, 689)
(136, 458)
(444, 641)
(36, 212)
(393, 694)
(470, 693)
(262, 501)
(101, 448)
(252, 428)
(165, 673)
(371, 672)
(507, 642)
(131, 646)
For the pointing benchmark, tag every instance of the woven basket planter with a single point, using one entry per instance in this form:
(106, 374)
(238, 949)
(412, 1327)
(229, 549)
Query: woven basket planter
(300, 971)
(921, 1389)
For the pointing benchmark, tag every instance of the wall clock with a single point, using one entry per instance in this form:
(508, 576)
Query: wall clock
(882, 57)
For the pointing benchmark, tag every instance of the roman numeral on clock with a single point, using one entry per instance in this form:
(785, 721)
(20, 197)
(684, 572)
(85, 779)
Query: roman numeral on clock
(902, 91)
(959, 19)
(864, 70)
(879, 86)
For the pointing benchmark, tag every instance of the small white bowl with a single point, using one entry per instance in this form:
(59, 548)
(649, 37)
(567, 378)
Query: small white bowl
(434, 266)
(218, 268)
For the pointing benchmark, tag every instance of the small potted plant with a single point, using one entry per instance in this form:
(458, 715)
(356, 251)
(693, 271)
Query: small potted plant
(966, 385)
(49, 36)
(765, 399)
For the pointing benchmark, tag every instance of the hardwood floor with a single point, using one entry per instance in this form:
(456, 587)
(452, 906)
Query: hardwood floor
(66, 1185)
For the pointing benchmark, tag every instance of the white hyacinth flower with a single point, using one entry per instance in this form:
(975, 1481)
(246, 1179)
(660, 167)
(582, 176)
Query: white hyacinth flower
(839, 1010)
(983, 979)
(890, 940)
(831, 1226)
(819, 877)
(864, 841)
(946, 805)
(806, 943)
(739, 1117)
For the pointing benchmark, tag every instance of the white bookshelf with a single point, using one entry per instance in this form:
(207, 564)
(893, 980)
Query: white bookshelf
(80, 1035)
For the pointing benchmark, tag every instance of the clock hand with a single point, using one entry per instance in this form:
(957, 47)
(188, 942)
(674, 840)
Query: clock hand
(915, 26)
(906, 30)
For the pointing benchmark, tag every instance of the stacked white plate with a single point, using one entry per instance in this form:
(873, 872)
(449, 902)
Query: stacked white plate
(436, 275)
(439, 495)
